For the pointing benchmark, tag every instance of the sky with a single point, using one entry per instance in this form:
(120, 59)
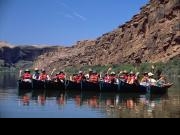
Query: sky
(62, 22)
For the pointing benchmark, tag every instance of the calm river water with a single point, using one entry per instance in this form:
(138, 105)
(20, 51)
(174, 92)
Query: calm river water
(56, 104)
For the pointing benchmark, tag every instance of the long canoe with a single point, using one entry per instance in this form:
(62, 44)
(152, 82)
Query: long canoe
(82, 86)
(41, 85)
(121, 87)
(131, 88)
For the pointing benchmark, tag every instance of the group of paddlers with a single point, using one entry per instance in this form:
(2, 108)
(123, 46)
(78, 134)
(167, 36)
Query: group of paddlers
(94, 77)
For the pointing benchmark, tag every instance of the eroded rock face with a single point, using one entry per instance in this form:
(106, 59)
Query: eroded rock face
(153, 35)
(11, 55)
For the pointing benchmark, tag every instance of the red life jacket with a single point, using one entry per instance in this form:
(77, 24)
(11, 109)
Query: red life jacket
(106, 79)
(27, 76)
(94, 78)
(126, 77)
(43, 77)
(61, 77)
(78, 78)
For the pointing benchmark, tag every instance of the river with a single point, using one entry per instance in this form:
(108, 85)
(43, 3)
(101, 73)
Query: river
(57, 104)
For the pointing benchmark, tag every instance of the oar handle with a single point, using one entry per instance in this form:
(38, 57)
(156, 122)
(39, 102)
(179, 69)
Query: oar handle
(53, 71)
(20, 73)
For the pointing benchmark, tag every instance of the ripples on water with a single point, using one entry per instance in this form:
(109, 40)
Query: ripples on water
(56, 104)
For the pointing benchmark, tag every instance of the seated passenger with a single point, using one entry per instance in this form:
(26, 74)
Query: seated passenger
(131, 78)
(94, 78)
(79, 77)
(145, 80)
(44, 76)
(124, 76)
(112, 78)
(36, 74)
(151, 80)
(106, 78)
(61, 77)
(27, 77)
(162, 82)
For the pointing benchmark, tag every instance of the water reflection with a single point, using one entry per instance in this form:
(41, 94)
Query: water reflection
(66, 104)
(110, 104)
(8, 80)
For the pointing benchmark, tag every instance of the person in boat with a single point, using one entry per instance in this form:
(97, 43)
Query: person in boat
(61, 77)
(36, 74)
(89, 74)
(44, 76)
(74, 77)
(151, 80)
(55, 78)
(145, 80)
(162, 82)
(137, 78)
(112, 78)
(131, 78)
(27, 77)
(94, 78)
(124, 76)
(79, 77)
(106, 78)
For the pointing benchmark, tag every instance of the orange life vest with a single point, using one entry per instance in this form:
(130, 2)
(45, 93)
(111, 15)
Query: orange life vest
(94, 78)
(43, 77)
(78, 78)
(106, 79)
(27, 76)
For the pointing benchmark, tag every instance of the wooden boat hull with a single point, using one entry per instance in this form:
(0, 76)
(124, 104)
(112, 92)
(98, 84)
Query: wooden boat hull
(156, 89)
(51, 85)
(83, 86)
(108, 87)
(122, 87)
(131, 88)
(41, 85)
(88, 86)
(38, 85)
(73, 86)
(24, 85)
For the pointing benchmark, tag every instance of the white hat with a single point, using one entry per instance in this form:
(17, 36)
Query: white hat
(36, 69)
(131, 73)
(150, 74)
(80, 72)
(113, 73)
(27, 70)
(138, 73)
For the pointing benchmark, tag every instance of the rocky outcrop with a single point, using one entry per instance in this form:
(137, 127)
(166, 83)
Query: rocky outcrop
(153, 35)
(12, 55)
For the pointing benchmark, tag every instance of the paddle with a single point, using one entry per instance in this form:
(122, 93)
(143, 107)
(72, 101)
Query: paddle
(109, 70)
(53, 72)
(20, 74)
